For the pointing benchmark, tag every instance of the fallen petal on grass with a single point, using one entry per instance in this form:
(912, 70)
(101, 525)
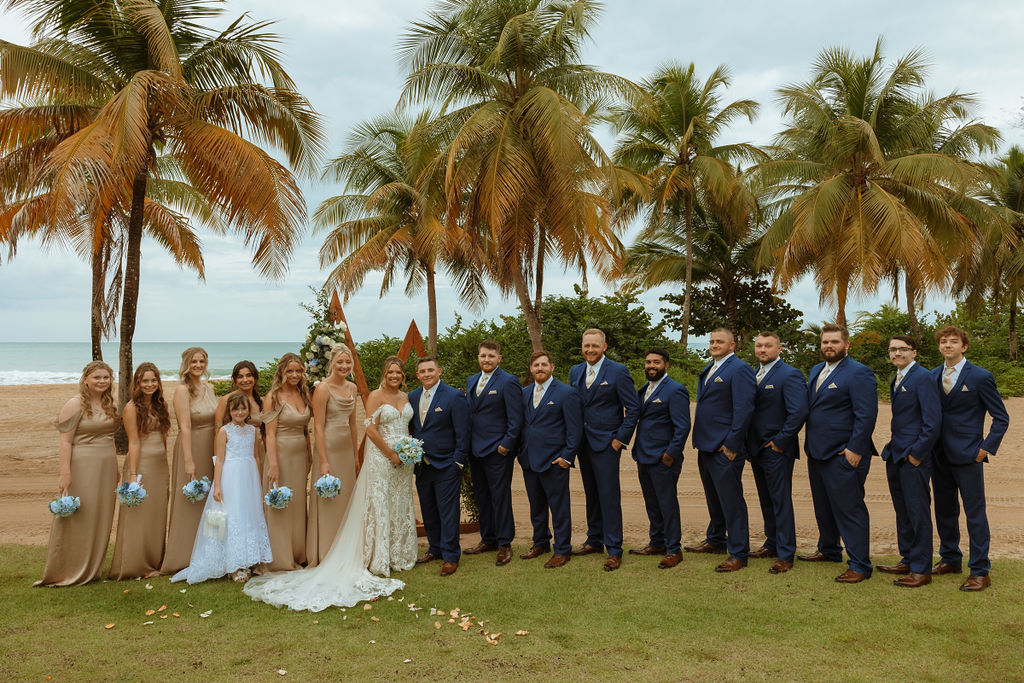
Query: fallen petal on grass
(150, 612)
(162, 608)
(147, 623)
(367, 607)
(281, 672)
(109, 626)
(175, 614)
(374, 618)
(149, 587)
(164, 616)
(437, 624)
(522, 633)
(205, 614)
(126, 591)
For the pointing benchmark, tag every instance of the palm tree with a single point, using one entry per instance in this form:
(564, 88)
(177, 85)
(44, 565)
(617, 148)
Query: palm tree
(395, 221)
(860, 188)
(672, 142)
(524, 172)
(137, 80)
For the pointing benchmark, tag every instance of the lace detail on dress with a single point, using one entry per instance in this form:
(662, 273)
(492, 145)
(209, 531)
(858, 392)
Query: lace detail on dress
(241, 441)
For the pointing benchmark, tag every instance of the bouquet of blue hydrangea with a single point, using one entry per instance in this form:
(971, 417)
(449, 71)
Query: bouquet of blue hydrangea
(131, 493)
(409, 450)
(327, 486)
(278, 497)
(65, 506)
(196, 489)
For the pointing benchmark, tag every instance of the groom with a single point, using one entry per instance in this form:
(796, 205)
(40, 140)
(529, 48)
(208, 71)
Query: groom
(440, 419)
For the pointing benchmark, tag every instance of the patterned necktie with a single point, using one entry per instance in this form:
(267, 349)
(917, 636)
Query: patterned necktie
(899, 378)
(947, 380)
(537, 393)
(821, 377)
(590, 376)
(650, 390)
(481, 384)
(424, 404)
(760, 374)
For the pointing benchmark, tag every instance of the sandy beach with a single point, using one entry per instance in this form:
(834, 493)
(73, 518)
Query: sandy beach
(28, 449)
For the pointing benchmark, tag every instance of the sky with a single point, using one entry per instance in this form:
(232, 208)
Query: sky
(342, 55)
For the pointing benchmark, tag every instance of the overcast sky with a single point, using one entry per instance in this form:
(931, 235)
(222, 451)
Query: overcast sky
(342, 54)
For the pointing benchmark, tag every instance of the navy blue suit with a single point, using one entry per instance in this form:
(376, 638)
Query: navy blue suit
(610, 411)
(916, 421)
(662, 429)
(956, 468)
(725, 404)
(495, 419)
(445, 435)
(552, 430)
(841, 415)
(780, 408)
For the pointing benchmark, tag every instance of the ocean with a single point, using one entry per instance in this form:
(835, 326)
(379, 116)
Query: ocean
(62, 362)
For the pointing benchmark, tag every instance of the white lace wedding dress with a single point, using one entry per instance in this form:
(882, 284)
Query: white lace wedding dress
(377, 536)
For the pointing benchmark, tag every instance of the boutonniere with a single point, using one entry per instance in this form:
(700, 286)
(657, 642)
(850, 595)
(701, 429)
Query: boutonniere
(604, 384)
(492, 392)
(438, 410)
(964, 388)
(657, 400)
(550, 403)
(832, 385)
(769, 386)
(718, 379)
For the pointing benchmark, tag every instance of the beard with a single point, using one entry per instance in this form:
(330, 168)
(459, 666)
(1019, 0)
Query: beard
(654, 375)
(834, 356)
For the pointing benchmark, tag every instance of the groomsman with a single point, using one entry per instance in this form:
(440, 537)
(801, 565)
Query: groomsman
(725, 404)
(440, 419)
(842, 409)
(610, 411)
(658, 450)
(495, 416)
(968, 392)
(780, 408)
(551, 437)
(916, 421)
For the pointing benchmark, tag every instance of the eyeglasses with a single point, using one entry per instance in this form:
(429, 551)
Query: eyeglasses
(899, 349)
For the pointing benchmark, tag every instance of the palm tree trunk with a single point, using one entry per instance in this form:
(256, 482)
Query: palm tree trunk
(1013, 327)
(689, 272)
(911, 296)
(130, 295)
(431, 311)
(99, 277)
(542, 251)
(530, 314)
(842, 290)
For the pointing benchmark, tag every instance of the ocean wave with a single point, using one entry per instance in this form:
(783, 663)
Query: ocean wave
(15, 377)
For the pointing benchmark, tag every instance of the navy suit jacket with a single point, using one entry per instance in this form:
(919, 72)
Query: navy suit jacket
(445, 432)
(664, 422)
(780, 408)
(725, 405)
(495, 416)
(916, 416)
(843, 413)
(963, 415)
(553, 430)
(610, 406)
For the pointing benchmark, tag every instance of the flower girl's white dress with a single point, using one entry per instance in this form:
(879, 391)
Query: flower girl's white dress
(233, 533)
(377, 534)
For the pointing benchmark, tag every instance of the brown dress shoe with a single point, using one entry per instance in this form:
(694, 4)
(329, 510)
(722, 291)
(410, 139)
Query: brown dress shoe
(780, 567)
(817, 556)
(480, 547)
(648, 550)
(504, 556)
(612, 563)
(850, 576)
(704, 547)
(427, 557)
(535, 551)
(448, 568)
(731, 565)
(912, 580)
(943, 568)
(975, 583)
(670, 560)
(762, 553)
(900, 568)
(585, 550)
(556, 561)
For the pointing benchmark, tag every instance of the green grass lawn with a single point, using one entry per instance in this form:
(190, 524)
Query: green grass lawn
(685, 623)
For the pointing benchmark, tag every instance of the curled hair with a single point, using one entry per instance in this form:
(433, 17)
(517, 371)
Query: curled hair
(388, 362)
(237, 370)
(658, 351)
(185, 376)
(106, 399)
(282, 364)
(953, 331)
(152, 412)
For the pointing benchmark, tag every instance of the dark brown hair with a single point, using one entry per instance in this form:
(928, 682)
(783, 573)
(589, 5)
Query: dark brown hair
(833, 327)
(909, 341)
(153, 410)
(538, 354)
(489, 344)
(953, 331)
(237, 370)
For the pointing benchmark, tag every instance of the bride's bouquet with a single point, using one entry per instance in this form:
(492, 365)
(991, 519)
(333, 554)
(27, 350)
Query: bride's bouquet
(278, 497)
(327, 486)
(65, 506)
(196, 489)
(131, 493)
(409, 450)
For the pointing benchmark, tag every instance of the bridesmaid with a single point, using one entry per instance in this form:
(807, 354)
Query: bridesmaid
(334, 429)
(194, 407)
(289, 455)
(245, 380)
(139, 549)
(88, 469)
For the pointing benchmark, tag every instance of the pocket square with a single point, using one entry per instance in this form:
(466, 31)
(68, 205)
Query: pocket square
(604, 384)
(770, 386)
(903, 388)
(964, 388)
(657, 400)
(832, 386)
(438, 410)
(492, 392)
(718, 379)
(550, 403)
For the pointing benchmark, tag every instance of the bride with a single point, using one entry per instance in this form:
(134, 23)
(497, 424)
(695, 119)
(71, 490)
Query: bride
(378, 532)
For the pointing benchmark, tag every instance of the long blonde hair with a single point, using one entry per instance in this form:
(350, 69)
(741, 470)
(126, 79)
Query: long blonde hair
(335, 351)
(106, 399)
(185, 376)
(388, 362)
(282, 364)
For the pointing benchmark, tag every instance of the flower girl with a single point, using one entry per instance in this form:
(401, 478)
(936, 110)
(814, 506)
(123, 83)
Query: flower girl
(233, 532)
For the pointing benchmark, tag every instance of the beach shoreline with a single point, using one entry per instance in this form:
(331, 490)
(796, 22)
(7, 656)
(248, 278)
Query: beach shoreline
(28, 450)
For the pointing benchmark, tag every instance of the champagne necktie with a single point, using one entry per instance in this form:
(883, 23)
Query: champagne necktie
(760, 374)
(481, 384)
(537, 393)
(650, 390)
(711, 372)
(821, 377)
(947, 380)
(424, 404)
(590, 377)
(899, 378)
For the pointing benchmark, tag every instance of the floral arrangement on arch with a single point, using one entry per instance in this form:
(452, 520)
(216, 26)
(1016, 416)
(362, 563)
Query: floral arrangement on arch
(323, 334)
